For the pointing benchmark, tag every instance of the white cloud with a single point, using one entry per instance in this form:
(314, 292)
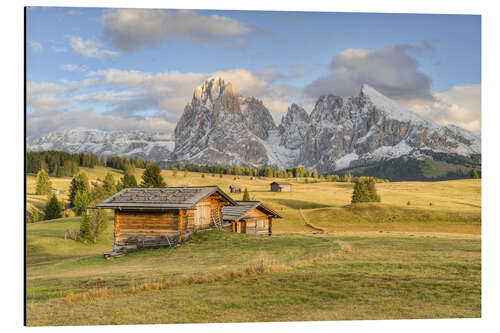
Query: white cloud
(459, 105)
(128, 29)
(392, 71)
(90, 48)
(35, 46)
(127, 95)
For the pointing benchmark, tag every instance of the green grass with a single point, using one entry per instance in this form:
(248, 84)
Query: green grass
(418, 261)
(406, 277)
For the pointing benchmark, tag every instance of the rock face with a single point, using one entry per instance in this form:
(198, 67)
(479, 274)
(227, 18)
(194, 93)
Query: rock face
(353, 131)
(138, 144)
(220, 127)
(293, 127)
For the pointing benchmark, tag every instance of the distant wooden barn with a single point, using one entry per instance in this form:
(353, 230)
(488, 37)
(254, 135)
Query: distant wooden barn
(235, 188)
(161, 217)
(250, 217)
(281, 187)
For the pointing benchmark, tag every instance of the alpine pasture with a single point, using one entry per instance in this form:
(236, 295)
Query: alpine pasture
(417, 254)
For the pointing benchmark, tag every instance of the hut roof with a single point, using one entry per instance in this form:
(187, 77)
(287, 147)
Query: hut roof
(281, 183)
(161, 198)
(234, 186)
(234, 213)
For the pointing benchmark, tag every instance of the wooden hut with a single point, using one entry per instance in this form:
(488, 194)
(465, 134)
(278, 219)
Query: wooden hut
(281, 187)
(156, 217)
(250, 217)
(235, 188)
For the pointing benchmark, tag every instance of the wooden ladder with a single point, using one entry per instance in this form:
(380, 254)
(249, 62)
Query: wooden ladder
(216, 219)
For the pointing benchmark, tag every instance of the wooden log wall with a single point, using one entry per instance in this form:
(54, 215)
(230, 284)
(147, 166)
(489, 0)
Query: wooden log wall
(140, 223)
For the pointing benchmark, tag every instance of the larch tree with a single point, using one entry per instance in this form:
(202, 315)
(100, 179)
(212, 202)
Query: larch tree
(43, 183)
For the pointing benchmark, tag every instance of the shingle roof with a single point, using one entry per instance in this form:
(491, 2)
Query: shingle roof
(234, 213)
(161, 198)
(281, 183)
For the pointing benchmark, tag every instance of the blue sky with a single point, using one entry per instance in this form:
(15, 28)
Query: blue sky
(136, 69)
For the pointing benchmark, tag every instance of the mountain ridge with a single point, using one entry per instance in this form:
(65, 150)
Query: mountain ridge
(221, 127)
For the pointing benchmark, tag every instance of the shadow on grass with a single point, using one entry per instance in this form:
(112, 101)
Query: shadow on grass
(297, 204)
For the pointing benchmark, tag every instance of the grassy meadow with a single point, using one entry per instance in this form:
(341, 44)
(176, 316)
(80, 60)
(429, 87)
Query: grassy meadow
(417, 254)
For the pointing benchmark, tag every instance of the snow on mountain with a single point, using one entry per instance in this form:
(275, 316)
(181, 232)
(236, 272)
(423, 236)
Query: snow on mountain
(221, 127)
(359, 130)
(139, 144)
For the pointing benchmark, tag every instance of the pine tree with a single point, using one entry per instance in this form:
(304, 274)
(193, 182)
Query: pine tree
(152, 177)
(79, 183)
(246, 195)
(53, 209)
(43, 183)
(109, 184)
(128, 181)
(85, 232)
(315, 174)
(82, 201)
(474, 174)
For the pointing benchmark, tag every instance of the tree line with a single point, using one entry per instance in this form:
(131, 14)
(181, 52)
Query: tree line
(64, 164)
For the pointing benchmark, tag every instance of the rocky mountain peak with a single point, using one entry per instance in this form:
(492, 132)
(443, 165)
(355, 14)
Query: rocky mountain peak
(212, 89)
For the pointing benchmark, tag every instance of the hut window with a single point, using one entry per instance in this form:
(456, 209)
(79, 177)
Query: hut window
(261, 224)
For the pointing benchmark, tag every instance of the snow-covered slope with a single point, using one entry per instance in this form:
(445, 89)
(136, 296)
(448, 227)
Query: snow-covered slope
(359, 130)
(221, 127)
(140, 144)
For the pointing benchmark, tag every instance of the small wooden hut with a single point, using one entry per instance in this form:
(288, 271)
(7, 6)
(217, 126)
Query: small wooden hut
(250, 217)
(235, 188)
(281, 187)
(156, 217)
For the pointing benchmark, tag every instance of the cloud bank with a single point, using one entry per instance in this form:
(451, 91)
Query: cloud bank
(129, 29)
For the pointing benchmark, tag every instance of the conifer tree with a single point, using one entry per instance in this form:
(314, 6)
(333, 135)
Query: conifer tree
(152, 177)
(474, 174)
(246, 195)
(85, 233)
(43, 183)
(128, 181)
(53, 209)
(82, 201)
(109, 184)
(315, 174)
(79, 183)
